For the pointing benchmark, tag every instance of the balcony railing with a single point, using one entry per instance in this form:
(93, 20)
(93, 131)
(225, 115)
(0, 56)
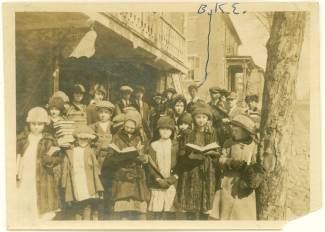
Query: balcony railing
(156, 30)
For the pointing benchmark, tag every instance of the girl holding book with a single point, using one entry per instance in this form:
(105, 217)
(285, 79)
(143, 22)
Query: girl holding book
(130, 193)
(37, 155)
(241, 175)
(162, 179)
(197, 175)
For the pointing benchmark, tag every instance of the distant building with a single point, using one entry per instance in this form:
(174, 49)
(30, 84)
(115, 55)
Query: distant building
(226, 68)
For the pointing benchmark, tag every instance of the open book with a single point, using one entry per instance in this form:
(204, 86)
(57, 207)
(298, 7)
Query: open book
(202, 149)
(125, 151)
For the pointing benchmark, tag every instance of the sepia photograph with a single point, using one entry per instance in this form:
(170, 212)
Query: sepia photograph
(163, 113)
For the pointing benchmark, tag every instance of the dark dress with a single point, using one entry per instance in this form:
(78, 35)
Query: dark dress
(197, 178)
(129, 187)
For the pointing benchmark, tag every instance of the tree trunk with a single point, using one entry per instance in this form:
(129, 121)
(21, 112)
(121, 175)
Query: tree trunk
(283, 47)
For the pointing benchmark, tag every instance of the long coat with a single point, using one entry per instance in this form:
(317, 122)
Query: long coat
(92, 171)
(128, 174)
(47, 186)
(153, 175)
(145, 114)
(232, 203)
(197, 178)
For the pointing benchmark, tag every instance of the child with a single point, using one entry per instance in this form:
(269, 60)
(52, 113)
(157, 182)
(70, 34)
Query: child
(37, 155)
(102, 129)
(104, 135)
(77, 110)
(163, 153)
(130, 193)
(65, 99)
(80, 176)
(98, 93)
(185, 127)
(197, 176)
(55, 109)
(236, 199)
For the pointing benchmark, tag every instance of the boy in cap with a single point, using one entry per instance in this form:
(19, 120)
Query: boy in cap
(98, 93)
(125, 100)
(37, 156)
(235, 200)
(102, 129)
(81, 176)
(233, 108)
(193, 92)
(77, 110)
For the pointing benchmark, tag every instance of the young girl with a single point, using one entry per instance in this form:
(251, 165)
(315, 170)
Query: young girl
(197, 176)
(77, 110)
(37, 155)
(236, 199)
(98, 93)
(80, 176)
(129, 190)
(163, 153)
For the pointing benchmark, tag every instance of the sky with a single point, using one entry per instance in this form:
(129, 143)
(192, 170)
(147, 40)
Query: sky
(254, 37)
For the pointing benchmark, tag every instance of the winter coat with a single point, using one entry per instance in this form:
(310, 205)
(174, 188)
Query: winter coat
(232, 202)
(145, 114)
(47, 186)
(197, 178)
(77, 113)
(92, 114)
(94, 184)
(128, 174)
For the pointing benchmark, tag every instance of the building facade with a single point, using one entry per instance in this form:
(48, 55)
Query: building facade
(56, 50)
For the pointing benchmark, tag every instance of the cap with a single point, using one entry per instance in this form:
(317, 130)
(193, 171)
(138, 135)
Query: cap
(245, 122)
(105, 104)
(78, 88)
(126, 88)
(37, 114)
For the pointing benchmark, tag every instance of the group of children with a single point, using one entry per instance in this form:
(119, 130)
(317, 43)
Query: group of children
(106, 162)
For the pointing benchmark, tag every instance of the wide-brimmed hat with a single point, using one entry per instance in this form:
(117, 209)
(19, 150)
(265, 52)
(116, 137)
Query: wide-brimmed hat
(38, 114)
(84, 132)
(179, 98)
(78, 88)
(56, 102)
(245, 122)
(166, 122)
(126, 88)
(105, 105)
(185, 118)
(202, 108)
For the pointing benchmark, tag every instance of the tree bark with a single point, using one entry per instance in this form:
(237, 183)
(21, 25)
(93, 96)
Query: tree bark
(283, 47)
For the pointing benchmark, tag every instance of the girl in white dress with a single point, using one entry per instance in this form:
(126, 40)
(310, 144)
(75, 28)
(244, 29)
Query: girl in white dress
(163, 157)
(37, 155)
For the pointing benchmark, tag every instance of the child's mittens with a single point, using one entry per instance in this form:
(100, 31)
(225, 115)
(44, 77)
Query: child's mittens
(163, 183)
(143, 158)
